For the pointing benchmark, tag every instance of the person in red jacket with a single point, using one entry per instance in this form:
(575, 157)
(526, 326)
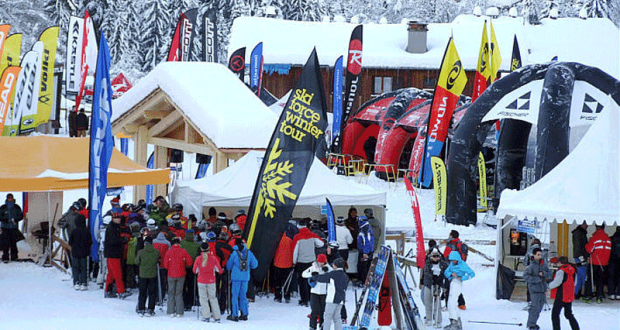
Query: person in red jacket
(205, 266)
(563, 291)
(282, 266)
(175, 261)
(599, 248)
(240, 219)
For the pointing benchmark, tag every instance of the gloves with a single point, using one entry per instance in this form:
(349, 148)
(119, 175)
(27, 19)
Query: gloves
(325, 269)
(314, 273)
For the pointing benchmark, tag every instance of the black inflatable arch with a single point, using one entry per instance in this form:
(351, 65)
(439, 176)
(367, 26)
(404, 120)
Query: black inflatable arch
(552, 135)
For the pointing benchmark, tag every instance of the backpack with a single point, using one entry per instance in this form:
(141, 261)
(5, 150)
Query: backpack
(462, 249)
(243, 260)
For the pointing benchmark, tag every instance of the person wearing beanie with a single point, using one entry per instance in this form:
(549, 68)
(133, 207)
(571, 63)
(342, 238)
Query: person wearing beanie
(282, 267)
(113, 251)
(337, 282)
(193, 249)
(80, 240)
(318, 291)
(343, 237)
(365, 244)
(176, 261)
(376, 226)
(332, 252)
(205, 267)
(563, 291)
(241, 261)
(304, 245)
(147, 260)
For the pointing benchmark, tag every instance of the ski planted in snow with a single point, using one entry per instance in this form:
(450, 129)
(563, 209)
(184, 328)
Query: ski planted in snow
(412, 314)
(360, 300)
(375, 285)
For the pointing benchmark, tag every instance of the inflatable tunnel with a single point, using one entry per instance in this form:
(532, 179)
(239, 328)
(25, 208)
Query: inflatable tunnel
(560, 99)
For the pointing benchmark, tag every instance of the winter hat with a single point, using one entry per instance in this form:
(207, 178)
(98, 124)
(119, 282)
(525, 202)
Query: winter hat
(135, 227)
(136, 208)
(211, 236)
(340, 220)
(368, 212)
(435, 252)
(333, 244)
(339, 263)
(148, 240)
(150, 223)
(204, 246)
(115, 201)
(321, 258)
(77, 206)
(175, 240)
(241, 212)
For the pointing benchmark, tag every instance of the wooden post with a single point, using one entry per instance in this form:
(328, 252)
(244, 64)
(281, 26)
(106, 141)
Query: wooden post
(220, 162)
(141, 157)
(161, 161)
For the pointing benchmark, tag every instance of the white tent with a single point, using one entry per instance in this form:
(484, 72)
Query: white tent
(584, 186)
(233, 187)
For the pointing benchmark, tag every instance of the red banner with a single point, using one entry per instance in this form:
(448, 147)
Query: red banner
(419, 235)
(120, 85)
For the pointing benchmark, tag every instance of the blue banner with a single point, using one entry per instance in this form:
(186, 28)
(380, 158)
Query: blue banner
(337, 98)
(149, 188)
(433, 149)
(101, 142)
(331, 222)
(202, 171)
(124, 146)
(256, 64)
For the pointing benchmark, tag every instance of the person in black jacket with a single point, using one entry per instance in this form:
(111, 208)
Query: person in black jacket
(435, 284)
(81, 123)
(72, 120)
(336, 294)
(113, 251)
(10, 215)
(580, 239)
(613, 285)
(80, 241)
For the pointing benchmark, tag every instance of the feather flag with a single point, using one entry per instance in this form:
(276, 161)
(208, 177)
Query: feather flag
(483, 70)
(419, 234)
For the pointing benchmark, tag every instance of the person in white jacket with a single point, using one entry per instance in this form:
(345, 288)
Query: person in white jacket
(318, 293)
(344, 238)
(103, 269)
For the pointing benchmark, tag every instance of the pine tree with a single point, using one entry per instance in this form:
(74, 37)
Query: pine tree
(598, 8)
(155, 33)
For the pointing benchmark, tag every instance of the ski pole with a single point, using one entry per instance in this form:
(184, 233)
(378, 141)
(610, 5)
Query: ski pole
(501, 323)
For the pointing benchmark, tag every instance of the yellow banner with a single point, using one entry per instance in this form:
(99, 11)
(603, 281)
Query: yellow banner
(46, 87)
(4, 33)
(482, 173)
(11, 51)
(484, 67)
(452, 75)
(440, 181)
(7, 89)
(496, 57)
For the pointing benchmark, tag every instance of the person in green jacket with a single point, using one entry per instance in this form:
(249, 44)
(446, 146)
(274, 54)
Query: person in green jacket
(189, 288)
(147, 260)
(159, 210)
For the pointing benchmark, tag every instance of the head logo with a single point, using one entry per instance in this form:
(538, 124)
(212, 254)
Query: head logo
(457, 68)
(355, 57)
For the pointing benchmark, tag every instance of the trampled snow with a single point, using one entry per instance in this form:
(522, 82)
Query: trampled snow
(594, 42)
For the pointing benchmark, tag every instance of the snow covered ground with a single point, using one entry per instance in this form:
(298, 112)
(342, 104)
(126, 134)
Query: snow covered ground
(34, 297)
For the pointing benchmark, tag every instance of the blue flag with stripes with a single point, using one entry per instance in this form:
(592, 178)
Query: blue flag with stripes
(331, 222)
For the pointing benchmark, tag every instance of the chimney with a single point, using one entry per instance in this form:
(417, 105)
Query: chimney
(417, 37)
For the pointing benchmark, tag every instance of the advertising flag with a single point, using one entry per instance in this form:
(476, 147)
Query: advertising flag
(236, 62)
(352, 81)
(482, 174)
(515, 63)
(149, 188)
(419, 234)
(7, 88)
(202, 171)
(4, 34)
(26, 94)
(73, 62)
(49, 37)
(450, 85)
(286, 164)
(174, 54)
(186, 34)
(120, 85)
(210, 44)
(331, 222)
(440, 182)
(12, 51)
(337, 98)
(496, 57)
(89, 56)
(483, 70)
(256, 68)
(101, 143)
(125, 146)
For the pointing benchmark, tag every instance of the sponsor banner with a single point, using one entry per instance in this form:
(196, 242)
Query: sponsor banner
(11, 52)
(49, 37)
(419, 234)
(527, 226)
(101, 143)
(236, 62)
(483, 70)
(7, 88)
(337, 98)
(496, 57)
(289, 155)
(174, 54)
(256, 68)
(440, 183)
(120, 85)
(210, 42)
(331, 221)
(587, 103)
(89, 56)
(186, 34)
(149, 188)
(202, 171)
(482, 176)
(74, 55)
(522, 103)
(26, 94)
(516, 62)
(4, 34)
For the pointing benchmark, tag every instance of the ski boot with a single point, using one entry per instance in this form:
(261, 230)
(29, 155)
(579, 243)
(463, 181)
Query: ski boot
(141, 312)
(233, 318)
(150, 313)
(124, 294)
(243, 317)
(109, 294)
(454, 325)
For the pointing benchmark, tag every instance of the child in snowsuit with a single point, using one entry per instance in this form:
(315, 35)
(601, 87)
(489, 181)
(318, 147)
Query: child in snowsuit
(205, 266)
(337, 281)
(434, 282)
(536, 275)
(239, 265)
(563, 290)
(457, 272)
(318, 291)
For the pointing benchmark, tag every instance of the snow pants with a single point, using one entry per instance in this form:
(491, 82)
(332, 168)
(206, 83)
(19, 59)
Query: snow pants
(538, 301)
(568, 313)
(432, 303)
(304, 287)
(599, 274)
(80, 276)
(317, 305)
(456, 287)
(189, 289)
(9, 236)
(208, 301)
(613, 284)
(115, 274)
(332, 314)
(221, 281)
(279, 278)
(239, 300)
(147, 289)
(175, 295)
(581, 277)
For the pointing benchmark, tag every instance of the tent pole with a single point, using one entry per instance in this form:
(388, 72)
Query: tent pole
(49, 227)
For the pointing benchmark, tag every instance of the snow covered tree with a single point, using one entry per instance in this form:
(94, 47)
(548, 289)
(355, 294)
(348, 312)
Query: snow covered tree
(155, 33)
(597, 8)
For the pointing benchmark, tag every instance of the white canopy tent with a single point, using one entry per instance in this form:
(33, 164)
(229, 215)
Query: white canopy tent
(233, 187)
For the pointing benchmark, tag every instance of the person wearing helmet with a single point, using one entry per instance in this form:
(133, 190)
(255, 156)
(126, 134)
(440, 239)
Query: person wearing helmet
(365, 243)
(67, 221)
(177, 209)
(240, 219)
(235, 233)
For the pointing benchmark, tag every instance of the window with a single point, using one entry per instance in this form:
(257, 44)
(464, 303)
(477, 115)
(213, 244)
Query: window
(382, 85)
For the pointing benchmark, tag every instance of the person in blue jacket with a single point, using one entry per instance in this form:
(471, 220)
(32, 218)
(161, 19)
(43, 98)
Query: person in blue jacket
(365, 244)
(241, 261)
(457, 272)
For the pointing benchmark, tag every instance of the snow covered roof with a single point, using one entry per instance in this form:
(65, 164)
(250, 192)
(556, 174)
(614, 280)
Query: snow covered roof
(212, 97)
(594, 42)
(584, 186)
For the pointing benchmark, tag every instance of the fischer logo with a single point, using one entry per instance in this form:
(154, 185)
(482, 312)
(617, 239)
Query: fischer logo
(4, 97)
(432, 137)
(355, 57)
(457, 68)
(75, 32)
(210, 40)
(186, 39)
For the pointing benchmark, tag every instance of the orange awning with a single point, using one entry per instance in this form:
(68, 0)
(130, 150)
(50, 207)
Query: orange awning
(43, 163)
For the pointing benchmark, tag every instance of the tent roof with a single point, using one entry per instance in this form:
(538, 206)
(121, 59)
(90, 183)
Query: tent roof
(43, 163)
(234, 187)
(584, 186)
(209, 95)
